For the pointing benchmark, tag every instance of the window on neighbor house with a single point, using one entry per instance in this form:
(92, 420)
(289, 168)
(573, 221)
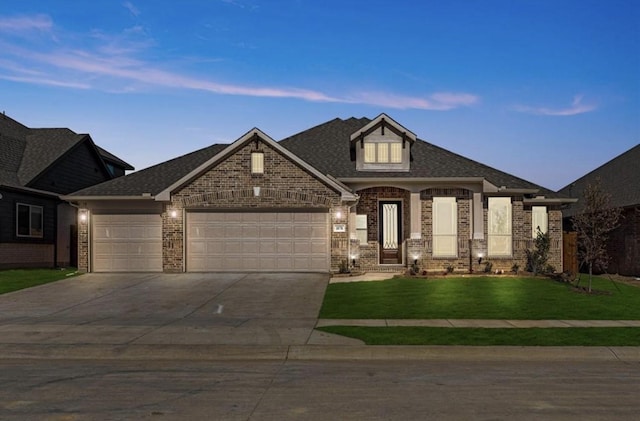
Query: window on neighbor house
(361, 229)
(445, 227)
(257, 163)
(29, 221)
(499, 227)
(539, 218)
(383, 152)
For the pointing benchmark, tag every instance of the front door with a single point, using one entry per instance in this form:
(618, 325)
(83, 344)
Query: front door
(390, 229)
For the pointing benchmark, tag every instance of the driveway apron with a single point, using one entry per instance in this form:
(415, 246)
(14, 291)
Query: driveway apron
(176, 309)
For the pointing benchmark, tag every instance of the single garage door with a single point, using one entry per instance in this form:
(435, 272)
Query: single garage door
(127, 243)
(283, 241)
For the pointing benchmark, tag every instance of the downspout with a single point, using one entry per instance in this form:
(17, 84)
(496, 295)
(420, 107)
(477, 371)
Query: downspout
(55, 236)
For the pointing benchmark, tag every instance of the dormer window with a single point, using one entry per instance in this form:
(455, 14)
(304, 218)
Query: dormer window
(383, 152)
(382, 145)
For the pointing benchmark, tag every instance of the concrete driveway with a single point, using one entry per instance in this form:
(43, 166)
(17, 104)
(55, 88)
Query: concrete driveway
(178, 309)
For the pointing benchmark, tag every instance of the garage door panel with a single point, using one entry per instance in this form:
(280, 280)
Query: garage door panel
(126, 243)
(258, 241)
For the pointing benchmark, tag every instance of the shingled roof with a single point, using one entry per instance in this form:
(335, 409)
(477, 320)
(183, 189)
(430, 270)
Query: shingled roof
(619, 177)
(25, 152)
(154, 179)
(326, 147)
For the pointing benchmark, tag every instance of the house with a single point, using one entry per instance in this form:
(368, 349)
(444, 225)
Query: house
(620, 178)
(37, 228)
(357, 192)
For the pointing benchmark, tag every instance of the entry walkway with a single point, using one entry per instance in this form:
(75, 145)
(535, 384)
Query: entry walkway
(483, 323)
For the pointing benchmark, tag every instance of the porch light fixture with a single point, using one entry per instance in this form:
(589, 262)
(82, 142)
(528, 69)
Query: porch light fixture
(338, 214)
(83, 216)
(173, 213)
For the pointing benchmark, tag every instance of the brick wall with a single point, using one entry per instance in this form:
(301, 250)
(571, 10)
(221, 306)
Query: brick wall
(624, 244)
(21, 255)
(230, 185)
(368, 258)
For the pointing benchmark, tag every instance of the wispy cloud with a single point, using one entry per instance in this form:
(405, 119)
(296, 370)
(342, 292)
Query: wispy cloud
(577, 107)
(114, 65)
(40, 23)
(438, 101)
(131, 8)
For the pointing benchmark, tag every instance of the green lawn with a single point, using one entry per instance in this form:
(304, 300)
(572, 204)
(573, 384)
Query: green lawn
(479, 298)
(13, 280)
(588, 336)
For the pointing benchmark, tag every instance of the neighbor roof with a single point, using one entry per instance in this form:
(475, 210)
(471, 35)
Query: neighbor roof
(25, 152)
(619, 177)
(155, 179)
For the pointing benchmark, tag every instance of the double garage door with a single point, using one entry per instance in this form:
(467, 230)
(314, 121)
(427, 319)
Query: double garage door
(283, 241)
(247, 241)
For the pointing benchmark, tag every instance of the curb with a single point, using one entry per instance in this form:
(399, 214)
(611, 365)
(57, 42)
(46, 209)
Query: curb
(317, 352)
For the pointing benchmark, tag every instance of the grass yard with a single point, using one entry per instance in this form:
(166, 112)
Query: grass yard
(16, 279)
(588, 336)
(480, 298)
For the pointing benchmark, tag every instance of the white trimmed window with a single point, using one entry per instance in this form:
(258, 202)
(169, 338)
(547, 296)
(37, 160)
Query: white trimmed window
(29, 221)
(445, 227)
(396, 153)
(361, 229)
(539, 218)
(383, 153)
(257, 163)
(499, 227)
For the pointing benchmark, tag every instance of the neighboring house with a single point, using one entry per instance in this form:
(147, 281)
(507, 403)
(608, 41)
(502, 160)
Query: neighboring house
(620, 178)
(367, 193)
(37, 229)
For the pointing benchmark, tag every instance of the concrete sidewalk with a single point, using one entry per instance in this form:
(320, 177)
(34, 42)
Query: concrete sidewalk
(482, 323)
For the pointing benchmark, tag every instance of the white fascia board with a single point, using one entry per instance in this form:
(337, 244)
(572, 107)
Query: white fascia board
(414, 184)
(105, 198)
(165, 195)
(549, 201)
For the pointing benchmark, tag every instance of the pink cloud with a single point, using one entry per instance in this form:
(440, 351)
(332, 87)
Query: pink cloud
(577, 107)
(26, 23)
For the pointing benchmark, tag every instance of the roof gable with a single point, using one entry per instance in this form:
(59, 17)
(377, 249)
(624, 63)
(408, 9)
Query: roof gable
(383, 121)
(252, 135)
(26, 154)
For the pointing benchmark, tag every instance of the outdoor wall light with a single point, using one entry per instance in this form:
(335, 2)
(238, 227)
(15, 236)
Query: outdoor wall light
(173, 213)
(83, 216)
(338, 215)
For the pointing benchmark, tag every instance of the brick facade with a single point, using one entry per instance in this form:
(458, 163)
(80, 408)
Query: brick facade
(24, 255)
(230, 185)
(469, 249)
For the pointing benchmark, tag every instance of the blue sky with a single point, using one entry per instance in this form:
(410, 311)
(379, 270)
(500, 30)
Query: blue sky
(546, 90)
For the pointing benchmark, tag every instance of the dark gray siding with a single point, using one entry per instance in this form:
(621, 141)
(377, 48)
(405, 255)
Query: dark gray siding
(80, 168)
(8, 217)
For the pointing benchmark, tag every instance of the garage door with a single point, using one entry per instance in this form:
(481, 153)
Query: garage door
(127, 243)
(289, 241)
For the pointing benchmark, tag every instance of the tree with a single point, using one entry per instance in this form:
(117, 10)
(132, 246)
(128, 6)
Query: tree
(593, 225)
(538, 257)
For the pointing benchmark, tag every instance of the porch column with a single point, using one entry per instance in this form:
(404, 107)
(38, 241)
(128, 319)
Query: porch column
(416, 217)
